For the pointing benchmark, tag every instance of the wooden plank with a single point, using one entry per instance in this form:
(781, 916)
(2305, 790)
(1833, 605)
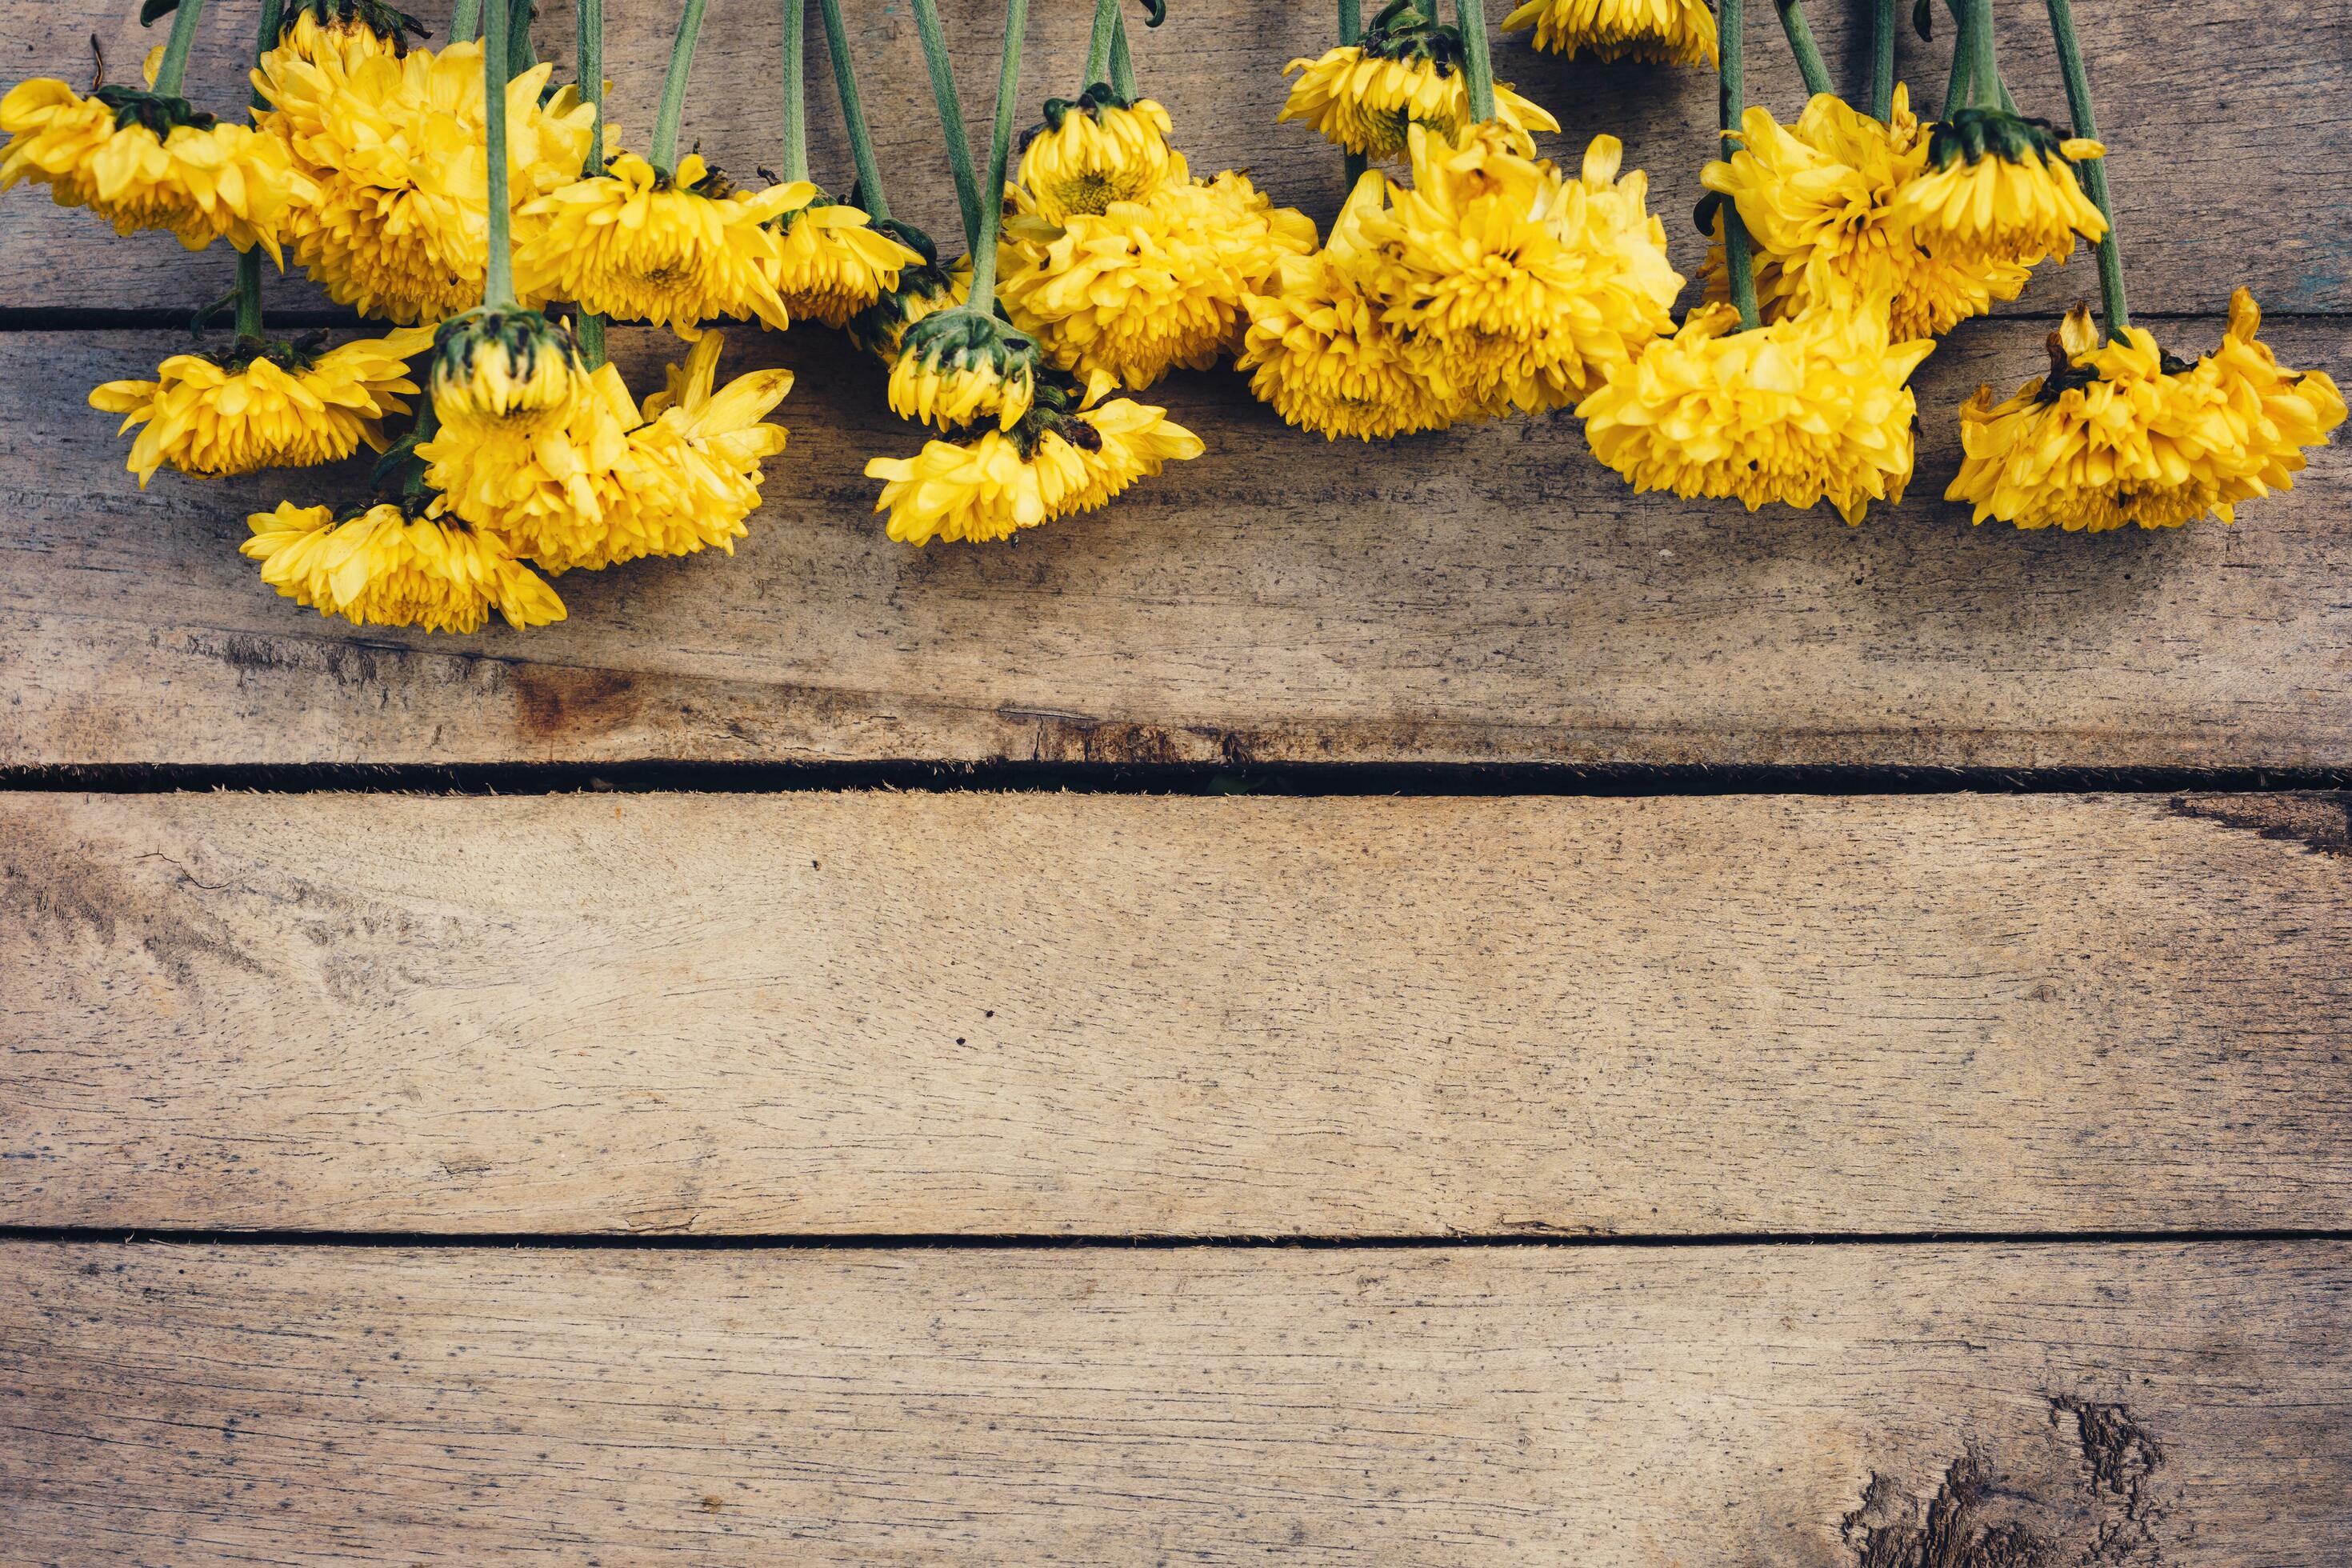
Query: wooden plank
(1099, 1014)
(1808, 1407)
(2226, 118)
(1490, 595)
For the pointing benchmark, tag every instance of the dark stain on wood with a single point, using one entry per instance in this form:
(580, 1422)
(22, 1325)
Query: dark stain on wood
(553, 701)
(2320, 820)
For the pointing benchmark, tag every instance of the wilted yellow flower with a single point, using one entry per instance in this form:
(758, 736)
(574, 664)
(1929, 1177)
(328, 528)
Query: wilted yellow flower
(1316, 352)
(1673, 32)
(832, 261)
(958, 367)
(142, 161)
(638, 246)
(512, 367)
(1809, 409)
(1094, 151)
(1509, 285)
(1819, 201)
(387, 568)
(2122, 433)
(1365, 101)
(2002, 187)
(265, 405)
(396, 148)
(1148, 284)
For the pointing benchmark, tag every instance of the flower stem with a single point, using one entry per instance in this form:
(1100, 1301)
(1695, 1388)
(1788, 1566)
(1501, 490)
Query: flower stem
(943, 92)
(497, 283)
(520, 55)
(1122, 61)
(175, 66)
(1976, 42)
(590, 326)
(796, 164)
(465, 22)
(1962, 72)
(1478, 58)
(1731, 96)
(1098, 46)
(248, 292)
(853, 113)
(1801, 45)
(1351, 33)
(663, 154)
(999, 153)
(2093, 171)
(1882, 60)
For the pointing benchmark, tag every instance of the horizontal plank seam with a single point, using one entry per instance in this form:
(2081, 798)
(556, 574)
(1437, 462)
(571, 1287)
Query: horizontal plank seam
(1279, 779)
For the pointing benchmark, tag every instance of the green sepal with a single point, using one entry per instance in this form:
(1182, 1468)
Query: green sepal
(1975, 134)
(137, 106)
(154, 11)
(1923, 19)
(388, 22)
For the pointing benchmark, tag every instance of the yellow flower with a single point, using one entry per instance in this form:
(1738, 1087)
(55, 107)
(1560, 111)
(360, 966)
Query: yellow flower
(142, 161)
(510, 367)
(1511, 286)
(2122, 433)
(1148, 284)
(1318, 353)
(1819, 201)
(639, 245)
(2002, 187)
(387, 568)
(1809, 408)
(1095, 151)
(832, 261)
(1671, 32)
(342, 31)
(920, 292)
(958, 367)
(269, 405)
(397, 149)
(611, 484)
(1119, 443)
(1365, 102)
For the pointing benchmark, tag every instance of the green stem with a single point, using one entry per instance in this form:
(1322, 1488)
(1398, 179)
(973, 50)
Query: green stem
(590, 327)
(497, 284)
(796, 164)
(943, 92)
(1976, 40)
(1731, 94)
(520, 55)
(1122, 61)
(273, 21)
(1351, 33)
(248, 294)
(2094, 170)
(999, 153)
(1098, 46)
(1478, 58)
(1882, 60)
(465, 22)
(174, 67)
(853, 112)
(663, 153)
(1956, 85)
(1809, 53)
(1963, 72)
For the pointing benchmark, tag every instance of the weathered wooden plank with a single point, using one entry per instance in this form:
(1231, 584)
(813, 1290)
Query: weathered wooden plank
(1487, 595)
(2227, 154)
(1808, 1407)
(1088, 1015)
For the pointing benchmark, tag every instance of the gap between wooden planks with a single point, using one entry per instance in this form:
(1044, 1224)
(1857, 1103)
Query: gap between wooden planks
(1804, 1407)
(1031, 1014)
(1491, 594)
(2220, 117)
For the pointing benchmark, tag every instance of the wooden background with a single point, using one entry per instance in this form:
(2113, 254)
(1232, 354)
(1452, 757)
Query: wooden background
(1880, 1101)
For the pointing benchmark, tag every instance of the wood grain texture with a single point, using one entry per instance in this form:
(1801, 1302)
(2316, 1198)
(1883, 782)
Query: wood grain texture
(1802, 1408)
(1098, 1014)
(2226, 164)
(1488, 595)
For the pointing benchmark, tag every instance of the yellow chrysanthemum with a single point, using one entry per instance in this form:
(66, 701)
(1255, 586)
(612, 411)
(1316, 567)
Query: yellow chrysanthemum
(831, 262)
(1509, 285)
(1056, 464)
(1095, 151)
(400, 226)
(2120, 433)
(1366, 102)
(140, 161)
(1819, 201)
(1148, 284)
(637, 246)
(1318, 354)
(921, 292)
(508, 367)
(959, 368)
(2000, 187)
(342, 39)
(1810, 408)
(275, 408)
(387, 568)
(1673, 32)
(612, 484)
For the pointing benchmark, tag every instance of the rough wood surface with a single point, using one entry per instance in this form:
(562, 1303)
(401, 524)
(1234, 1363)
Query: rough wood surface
(2227, 161)
(1805, 1407)
(1098, 1014)
(1488, 595)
